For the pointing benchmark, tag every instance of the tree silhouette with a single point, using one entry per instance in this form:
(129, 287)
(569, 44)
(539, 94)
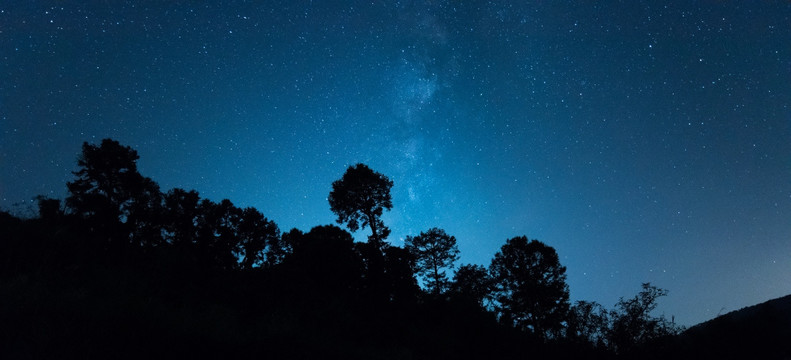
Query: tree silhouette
(530, 286)
(434, 251)
(285, 246)
(181, 217)
(174, 268)
(359, 199)
(325, 259)
(107, 174)
(218, 227)
(144, 213)
(472, 283)
(588, 324)
(632, 323)
(111, 194)
(49, 210)
(399, 274)
(254, 233)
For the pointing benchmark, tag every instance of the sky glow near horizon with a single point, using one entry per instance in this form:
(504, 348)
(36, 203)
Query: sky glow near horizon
(644, 141)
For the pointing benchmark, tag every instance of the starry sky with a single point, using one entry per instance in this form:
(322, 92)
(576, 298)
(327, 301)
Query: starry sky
(644, 141)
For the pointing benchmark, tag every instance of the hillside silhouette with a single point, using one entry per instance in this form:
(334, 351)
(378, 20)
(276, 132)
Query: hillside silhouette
(121, 269)
(758, 331)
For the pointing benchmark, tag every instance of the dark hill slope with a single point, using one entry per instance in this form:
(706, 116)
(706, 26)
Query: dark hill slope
(759, 331)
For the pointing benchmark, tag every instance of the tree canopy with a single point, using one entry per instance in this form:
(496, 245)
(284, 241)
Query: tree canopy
(530, 286)
(111, 194)
(472, 283)
(359, 198)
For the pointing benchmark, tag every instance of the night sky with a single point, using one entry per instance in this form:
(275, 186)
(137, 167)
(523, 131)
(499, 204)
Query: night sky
(644, 141)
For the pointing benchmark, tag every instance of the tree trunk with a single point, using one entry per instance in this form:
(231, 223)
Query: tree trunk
(436, 280)
(374, 235)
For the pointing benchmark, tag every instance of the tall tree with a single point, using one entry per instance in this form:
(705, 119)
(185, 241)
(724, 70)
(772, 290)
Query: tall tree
(530, 286)
(111, 194)
(434, 251)
(359, 198)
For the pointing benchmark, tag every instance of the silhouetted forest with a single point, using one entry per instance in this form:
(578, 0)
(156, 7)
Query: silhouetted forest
(121, 269)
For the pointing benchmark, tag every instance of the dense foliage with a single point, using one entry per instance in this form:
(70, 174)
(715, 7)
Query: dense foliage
(124, 270)
(359, 198)
(530, 287)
